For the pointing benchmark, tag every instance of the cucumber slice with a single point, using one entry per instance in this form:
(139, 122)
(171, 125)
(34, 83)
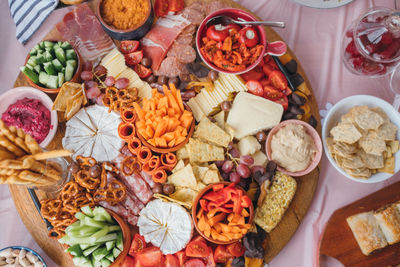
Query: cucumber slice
(48, 44)
(90, 250)
(60, 54)
(100, 214)
(48, 56)
(87, 211)
(40, 58)
(52, 82)
(70, 54)
(95, 263)
(43, 77)
(100, 253)
(59, 43)
(80, 216)
(41, 45)
(50, 69)
(120, 241)
(106, 238)
(72, 62)
(66, 45)
(110, 257)
(105, 262)
(57, 64)
(75, 250)
(78, 261)
(30, 67)
(37, 68)
(99, 234)
(69, 72)
(85, 246)
(30, 74)
(37, 47)
(110, 245)
(33, 51)
(116, 252)
(60, 79)
(90, 221)
(32, 61)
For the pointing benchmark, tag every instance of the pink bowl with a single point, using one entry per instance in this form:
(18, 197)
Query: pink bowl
(314, 135)
(235, 14)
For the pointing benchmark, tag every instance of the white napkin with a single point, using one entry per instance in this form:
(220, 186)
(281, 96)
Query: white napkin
(28, 15)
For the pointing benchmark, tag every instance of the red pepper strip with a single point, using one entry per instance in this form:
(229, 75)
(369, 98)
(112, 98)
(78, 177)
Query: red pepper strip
(212, 206)
(237, 207)
(218, 187)
(203, 204)
(245, 201)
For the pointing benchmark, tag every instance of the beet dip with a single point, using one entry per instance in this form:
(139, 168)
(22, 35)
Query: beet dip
(31, 116)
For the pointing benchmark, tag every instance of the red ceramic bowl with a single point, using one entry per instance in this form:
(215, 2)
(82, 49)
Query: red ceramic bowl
(195, 208)
(235, 14)
(314, 135)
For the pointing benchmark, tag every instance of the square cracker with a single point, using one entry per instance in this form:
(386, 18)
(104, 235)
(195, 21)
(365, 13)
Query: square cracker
(345, 132)
(353, 162)
(389, 166)
(211, 133)
(358, 173)
(372, 144)
(202, 152)
(371, 161)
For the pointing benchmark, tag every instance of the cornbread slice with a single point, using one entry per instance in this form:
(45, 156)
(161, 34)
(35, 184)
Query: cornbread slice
(277, 201)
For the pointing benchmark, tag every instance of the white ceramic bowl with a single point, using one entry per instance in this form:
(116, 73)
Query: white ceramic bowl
(342, 107)
(12, 95)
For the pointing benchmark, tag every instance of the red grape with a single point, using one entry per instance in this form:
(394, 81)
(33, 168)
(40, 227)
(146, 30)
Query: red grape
(257, 168)
(219, 163)
(234, 153)
(109, 81)
(89, 84)
(243, 171)
(227, 166)
(86, 75)
(93, 92)
(234, 177)
(225, 176)
(122, 83)
(246, 160)
(88, 65)
(100, 71)
(99, 100)
(230, 145)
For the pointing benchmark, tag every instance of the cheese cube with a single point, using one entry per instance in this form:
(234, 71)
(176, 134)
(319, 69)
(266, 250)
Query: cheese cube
(248, 145)
(260, 159)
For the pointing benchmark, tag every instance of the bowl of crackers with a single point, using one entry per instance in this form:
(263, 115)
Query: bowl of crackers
(362, 140)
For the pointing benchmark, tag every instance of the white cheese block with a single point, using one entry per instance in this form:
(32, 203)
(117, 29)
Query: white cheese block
(145, 90)
(250, 114)
(260, 159)
(196, 110)
(248, 145)
(220, 119)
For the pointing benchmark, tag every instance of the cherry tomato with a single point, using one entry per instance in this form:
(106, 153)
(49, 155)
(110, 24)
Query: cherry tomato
(255, 87)
(267, 69)
(267, 58)
(261, 64)
(217, 32)
(278, 80)
(221, 254)
(194, 263)
(272, 93)
(128, 262)
(236, 249)
(133, 58)
(181, 257)
(283, 101)
(138, 243)
(254, 74)
(128, 46)
(176, 5)
(142, 71)
(150, 256)
(264, 82)
(248, 36)
(209, 260)
(233, 28)
(171, 261)
(287, 91)
(161, 7)
(198, 249)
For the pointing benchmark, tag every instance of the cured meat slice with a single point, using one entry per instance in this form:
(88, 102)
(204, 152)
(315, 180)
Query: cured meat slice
(170, 67)
(132, 219)
(125, 151)
(189, 30)
(149, 180)
(130, 204)
(159, 39)
(183, 52)
(214, 6)
(185, 39)
(193, 14)
(118, 209)
(82, 29)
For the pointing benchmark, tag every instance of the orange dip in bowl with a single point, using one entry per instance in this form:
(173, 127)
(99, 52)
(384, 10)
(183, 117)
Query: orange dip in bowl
(124, 14)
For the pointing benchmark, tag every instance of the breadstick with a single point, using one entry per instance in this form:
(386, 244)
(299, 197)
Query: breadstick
(20, 133)
(13, 130)
(14, 179)
(32, 164)
(6, 131)
(4, 142)
(11, 164)
(52, 154)
(8, 172)
(4, 154)
(21, 143)
(32, 144)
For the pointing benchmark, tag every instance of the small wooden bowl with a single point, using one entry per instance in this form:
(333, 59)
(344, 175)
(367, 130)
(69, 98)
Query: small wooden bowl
(169, 149)
(126, 233)
(195, 209)
(75, 78)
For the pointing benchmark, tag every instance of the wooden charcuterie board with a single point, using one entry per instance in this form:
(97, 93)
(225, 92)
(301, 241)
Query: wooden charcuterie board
(338, 241)
(276, 240)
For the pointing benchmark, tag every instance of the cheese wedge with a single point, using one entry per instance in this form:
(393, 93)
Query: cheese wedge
(250, 114)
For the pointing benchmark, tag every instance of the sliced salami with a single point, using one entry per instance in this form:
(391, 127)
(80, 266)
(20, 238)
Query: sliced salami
(125, 151)
(170, 67)
(183, 52)
(189, 30)
(131, 205)
(132, 219)
(194, 15)
(214, 6)
(186, 39)
(118, 209)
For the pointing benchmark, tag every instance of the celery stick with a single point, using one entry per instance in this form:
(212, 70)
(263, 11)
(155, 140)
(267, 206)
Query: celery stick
(91, 222)
(100, 214)
(106, 238)
(101, 233)
(87, 211)
(90, 250)
(110, 245)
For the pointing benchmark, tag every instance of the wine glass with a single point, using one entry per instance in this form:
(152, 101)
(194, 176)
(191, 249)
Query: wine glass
(395, 86)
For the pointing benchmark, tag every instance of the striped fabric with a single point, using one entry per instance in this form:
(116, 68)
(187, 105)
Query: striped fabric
(28, 15)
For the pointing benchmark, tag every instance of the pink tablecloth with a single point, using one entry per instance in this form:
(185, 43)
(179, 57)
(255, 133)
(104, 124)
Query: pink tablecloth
(315, 37)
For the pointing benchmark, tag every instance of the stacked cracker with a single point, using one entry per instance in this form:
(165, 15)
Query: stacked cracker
(20, 159)
(364, 142)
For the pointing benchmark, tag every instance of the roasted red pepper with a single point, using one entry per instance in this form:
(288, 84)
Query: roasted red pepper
(203, 204)
(248, 36)
(233, 28)
(217, 32)
(218, 187)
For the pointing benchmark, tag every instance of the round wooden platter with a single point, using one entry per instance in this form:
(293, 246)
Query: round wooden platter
(275, 241)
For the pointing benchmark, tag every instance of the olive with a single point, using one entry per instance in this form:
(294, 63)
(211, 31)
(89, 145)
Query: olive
(271, 166)
(95, 171)
(162, 79)
(168, 189)
(157, 189)
(73, 167)
(174, 80)
(151, 79)
(213, 75)
(261, 136)
(146, 62)
(226, 105)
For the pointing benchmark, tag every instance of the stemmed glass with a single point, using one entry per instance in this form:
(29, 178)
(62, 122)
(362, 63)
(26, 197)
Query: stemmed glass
(395, 86)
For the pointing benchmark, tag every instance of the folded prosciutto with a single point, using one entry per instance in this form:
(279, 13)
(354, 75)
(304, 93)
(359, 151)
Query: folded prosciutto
(161, 36)
(81, 28)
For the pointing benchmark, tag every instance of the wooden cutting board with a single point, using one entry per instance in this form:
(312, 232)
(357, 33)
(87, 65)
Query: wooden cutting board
(338, 240)
(276, 240)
